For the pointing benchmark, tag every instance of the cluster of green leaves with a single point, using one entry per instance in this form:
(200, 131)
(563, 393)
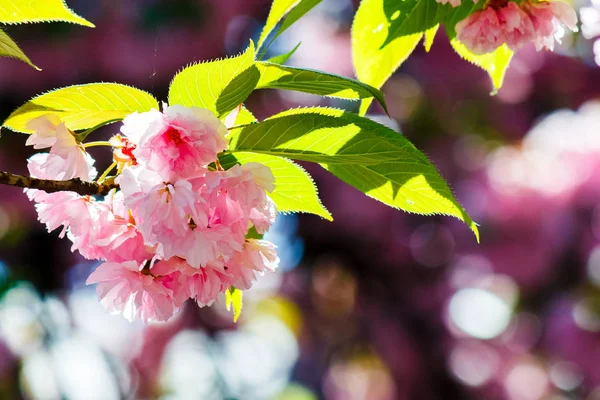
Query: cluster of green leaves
(32, 11)
(367, 155)
(386, 32)
(373, 158)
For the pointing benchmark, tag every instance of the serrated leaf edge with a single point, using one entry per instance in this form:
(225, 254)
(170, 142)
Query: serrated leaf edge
(67, 87)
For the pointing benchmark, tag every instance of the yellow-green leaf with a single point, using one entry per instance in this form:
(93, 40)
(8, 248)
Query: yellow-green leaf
(324, 135)
(495, 63)
(429, 36)
(219, 86)
(29, 11)
(369, 156)
(8, 48)
(295, 191)
(375, 64)
(83, 106)
(295, 14)
(279, 10)
(275, 76)
(233, 297)
(409, 186)
(282, 58)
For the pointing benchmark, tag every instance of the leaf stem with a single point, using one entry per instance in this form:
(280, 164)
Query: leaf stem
(105, 173)
(81, 136)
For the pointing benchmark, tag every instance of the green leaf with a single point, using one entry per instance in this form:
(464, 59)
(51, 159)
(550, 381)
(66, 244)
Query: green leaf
(233, 297)
(407, 17)
(495, 63)
(297, 12)
(275, 76)
(282, 58)
(244, 117)
(324, 135)
(8, 48)
(369, 156)
(219, 86)
(429, 36)
(28, 11)
(373, 62)
(83, 106)
(295, 191)
(412, 187)
(279, 9)
(252, 232)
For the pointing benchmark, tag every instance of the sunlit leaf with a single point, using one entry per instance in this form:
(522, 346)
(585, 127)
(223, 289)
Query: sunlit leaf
(495, 63)
(407, 17)
(412, 187)
(373, 63)
(219, 86)
(371, 157)
(294, 9)
(244, 117)
(8, 48)
(429, 36)
(83, 106)
(296, 13)
(324, 135)
(282, 58)
(279, 8)
(295, 191)
(277, 76)
(28, 11)
(233, 297)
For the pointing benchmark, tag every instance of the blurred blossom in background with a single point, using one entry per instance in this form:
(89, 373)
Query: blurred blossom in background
(378, 305)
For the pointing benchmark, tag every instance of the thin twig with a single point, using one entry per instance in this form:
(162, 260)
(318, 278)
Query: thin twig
(50, 186)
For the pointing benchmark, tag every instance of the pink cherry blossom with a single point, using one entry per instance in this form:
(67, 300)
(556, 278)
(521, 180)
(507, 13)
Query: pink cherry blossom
(65, 209)
(481, 32)
(113, 235)
(257, 256)
(176, 228)
(203, 284)
(517, 26)
(550, 18)
(162, 210)
(182, 140)
(67, 159)
(44, 131)
(204, 245)
(136, 292)
(247, 184)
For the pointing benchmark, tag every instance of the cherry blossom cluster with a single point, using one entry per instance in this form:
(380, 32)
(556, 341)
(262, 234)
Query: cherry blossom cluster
(177, 227)
(506, 22)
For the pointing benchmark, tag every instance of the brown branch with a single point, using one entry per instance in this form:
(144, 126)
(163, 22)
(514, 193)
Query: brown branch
(50, 186)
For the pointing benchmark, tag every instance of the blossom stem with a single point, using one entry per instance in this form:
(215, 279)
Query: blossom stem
(105, 173)
(100, 143)
(50, 186)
